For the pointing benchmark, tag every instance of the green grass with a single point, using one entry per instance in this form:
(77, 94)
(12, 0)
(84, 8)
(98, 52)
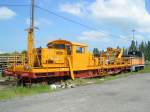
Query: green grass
(146, 69)
(14, 91)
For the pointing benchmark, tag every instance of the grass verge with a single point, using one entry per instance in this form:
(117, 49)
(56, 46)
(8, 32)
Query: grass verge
(13, 91)
(145, 70)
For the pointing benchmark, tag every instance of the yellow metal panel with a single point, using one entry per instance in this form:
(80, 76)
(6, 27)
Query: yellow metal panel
(71, 69)
(53, 57)
(80, 60)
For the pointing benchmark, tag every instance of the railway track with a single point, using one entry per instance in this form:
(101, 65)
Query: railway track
(8, 82)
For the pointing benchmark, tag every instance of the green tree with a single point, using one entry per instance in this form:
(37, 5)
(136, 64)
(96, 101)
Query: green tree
(132, 46)
(148, 51)
(118, 47)
(24, 52)
(142, 47)
(96, 52)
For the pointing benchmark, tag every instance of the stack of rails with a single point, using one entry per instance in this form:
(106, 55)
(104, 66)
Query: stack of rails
(8, 60)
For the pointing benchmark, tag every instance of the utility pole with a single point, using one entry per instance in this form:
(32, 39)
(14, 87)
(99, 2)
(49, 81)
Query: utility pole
(133, 31)
(32, 14)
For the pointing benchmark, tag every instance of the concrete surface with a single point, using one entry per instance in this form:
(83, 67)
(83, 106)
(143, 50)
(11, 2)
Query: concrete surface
(130, 94)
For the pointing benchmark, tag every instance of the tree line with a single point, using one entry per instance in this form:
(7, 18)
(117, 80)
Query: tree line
(143, 47)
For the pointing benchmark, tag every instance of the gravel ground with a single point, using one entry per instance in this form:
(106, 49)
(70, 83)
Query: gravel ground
(130, 94)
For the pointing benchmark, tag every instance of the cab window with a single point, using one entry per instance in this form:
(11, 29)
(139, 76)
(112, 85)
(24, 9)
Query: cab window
(59, 46)
(80, 49)
(68, 50)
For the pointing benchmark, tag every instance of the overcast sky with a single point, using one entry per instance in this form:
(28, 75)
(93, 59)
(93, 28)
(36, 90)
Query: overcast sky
(112, 22)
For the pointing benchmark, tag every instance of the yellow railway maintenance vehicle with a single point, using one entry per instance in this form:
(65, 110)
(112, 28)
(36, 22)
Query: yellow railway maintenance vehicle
(64, 58)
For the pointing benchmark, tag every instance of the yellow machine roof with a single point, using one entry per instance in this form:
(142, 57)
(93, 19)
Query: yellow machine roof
(60, 41)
